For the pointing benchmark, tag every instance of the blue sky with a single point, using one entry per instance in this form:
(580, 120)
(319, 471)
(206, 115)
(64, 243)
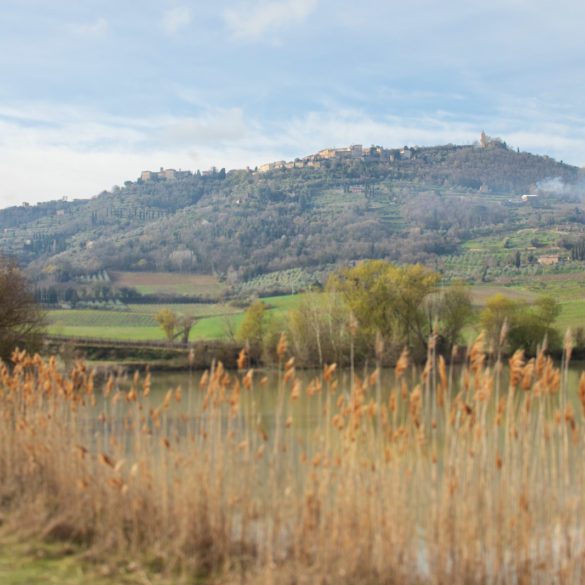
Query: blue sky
(94, 91)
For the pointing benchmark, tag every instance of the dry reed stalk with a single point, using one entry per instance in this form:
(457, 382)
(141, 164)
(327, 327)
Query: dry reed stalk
(446, 480)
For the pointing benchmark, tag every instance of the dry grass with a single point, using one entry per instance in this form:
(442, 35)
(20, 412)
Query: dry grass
(477, 479)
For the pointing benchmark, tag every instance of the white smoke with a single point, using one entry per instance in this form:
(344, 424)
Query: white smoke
(558, 186)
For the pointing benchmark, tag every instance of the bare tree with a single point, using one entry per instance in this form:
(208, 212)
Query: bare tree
(22, 321)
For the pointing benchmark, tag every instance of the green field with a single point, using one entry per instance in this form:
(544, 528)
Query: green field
(138, 323)
(216, 320)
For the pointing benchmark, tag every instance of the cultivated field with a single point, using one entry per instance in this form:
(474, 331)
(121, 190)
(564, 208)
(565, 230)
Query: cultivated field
(170, 283)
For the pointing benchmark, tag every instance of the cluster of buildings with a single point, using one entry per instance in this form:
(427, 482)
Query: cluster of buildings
(354, 152)
(164, 174)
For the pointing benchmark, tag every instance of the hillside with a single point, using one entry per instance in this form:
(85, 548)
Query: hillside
(418, 204)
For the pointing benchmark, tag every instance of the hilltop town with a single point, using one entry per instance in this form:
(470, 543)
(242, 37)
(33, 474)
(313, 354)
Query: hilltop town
(354, 152)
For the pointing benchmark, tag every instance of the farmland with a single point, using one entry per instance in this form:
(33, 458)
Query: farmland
(137, 322)
(180, 284)
(215, 321)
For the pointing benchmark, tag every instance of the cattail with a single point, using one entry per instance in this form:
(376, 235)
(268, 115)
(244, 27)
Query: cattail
(296, 390)
(477, 354)
(401, 364)
(167, 400)
(146, 385)
(106, 460)
(443, 372)
(289, 374)
(570, 416)
(516, 363)
(415, 405)
(568, 345)
(328, 372)
(282, 346)
(242, 359)
(82, 451)
(247, 379)
(109, 386)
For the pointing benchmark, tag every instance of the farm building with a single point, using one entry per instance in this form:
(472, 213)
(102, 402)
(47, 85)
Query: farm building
(549, 259)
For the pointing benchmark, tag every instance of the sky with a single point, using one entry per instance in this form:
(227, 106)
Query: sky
(92, 92)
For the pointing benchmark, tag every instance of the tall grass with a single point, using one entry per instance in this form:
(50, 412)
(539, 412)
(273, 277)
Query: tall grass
(474, 478)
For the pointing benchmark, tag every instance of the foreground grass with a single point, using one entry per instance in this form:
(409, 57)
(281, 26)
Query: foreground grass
(62, 564)
(476, 478)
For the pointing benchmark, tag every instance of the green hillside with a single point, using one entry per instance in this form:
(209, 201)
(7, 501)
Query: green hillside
(482, 214)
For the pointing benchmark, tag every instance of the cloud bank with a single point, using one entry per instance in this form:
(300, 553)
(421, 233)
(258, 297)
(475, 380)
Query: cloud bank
(50, 151)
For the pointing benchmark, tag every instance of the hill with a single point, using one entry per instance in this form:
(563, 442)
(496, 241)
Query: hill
(411, 204)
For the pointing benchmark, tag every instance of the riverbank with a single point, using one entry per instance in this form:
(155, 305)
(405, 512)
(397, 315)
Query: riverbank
(143, 355)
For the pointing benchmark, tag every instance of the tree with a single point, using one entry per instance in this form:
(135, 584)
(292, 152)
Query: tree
(455, 312)
(389, 299)
(186, 323)
(318, 329)
(527, 325)
(168, 321)
(499, 311)
(254, 326)
(22, 321)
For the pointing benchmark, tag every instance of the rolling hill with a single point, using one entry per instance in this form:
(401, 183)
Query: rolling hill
(407, 205)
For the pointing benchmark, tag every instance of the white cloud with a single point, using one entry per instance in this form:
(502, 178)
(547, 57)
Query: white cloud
(47, 151)
(94, 30)
(215, 127)
(176, 19)
(251, 20)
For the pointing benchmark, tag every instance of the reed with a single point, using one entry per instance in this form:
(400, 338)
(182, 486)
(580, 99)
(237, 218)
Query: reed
(471, 478)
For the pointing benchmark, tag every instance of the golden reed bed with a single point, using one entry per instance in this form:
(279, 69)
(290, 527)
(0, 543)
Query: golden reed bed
(477, 477)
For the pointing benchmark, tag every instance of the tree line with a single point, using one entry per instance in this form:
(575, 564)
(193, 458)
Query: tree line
(379, 304)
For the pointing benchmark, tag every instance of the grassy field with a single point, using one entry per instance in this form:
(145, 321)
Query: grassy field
(138, 323)
(523, 239)
(572, 315)
(214, 321)
(565, 291)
